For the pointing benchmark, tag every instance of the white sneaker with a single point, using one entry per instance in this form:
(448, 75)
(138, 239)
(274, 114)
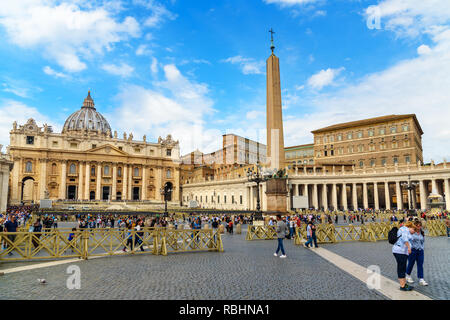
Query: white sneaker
(423, 282)
(283, 256)
(275, 254)
(409, 279)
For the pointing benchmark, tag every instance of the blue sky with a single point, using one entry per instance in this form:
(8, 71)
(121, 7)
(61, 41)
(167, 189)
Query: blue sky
(196, 69)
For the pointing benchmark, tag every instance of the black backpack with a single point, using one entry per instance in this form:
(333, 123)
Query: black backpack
(392, 235)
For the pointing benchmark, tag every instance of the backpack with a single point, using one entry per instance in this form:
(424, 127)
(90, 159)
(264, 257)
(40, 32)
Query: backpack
(392, 235)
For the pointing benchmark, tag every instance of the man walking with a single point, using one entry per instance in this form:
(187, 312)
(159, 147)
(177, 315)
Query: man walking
(281, 233)
(11, 226)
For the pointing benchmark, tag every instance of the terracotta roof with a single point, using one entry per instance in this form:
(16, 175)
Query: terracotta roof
(370, 121)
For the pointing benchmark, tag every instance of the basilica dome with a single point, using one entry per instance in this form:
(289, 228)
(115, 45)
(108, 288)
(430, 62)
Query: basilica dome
(87, 119)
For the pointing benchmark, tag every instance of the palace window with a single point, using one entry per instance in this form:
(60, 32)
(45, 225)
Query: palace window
(29, 167)
(371, 132)
(394, 144)
(407, 143)
(73, 169)
(93, 171)
(169, 174)
(360, 134)
(30, 140)
(350, 136)
(119, 172)
(383, 162)
(382, 131)
(339, 137)
(360, 148)
(361, 163)
(405, 127)
(169, 152)
(408, 159)
(372, 163)
(106, 171)
(136, 172)
(54, 168)
(394, 129)
(395, 160)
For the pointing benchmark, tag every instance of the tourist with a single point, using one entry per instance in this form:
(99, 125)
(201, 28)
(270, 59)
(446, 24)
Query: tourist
(139, 235)
(129, 238)
(313, 235)
(37, 229)
(401, 250)
(447, 223)
(291, 228)
(308, 235)
(71, 237)
(11, 226)
(281, 234)
(417, 254)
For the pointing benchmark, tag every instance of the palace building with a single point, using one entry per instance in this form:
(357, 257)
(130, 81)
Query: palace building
(88, 162)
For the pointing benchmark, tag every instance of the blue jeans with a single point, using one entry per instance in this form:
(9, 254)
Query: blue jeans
(292, 232)
(280, 246)
(416, 255)
(309, 242)
(448, 231)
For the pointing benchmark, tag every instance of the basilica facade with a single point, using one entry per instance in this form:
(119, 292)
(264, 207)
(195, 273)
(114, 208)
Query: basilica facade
(89, 162)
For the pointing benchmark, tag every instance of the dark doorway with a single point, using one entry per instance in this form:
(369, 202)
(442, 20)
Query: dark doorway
(168, 187)
(136, 193)
(105, 193)
(72, 192)
(119, 195)
(92, 195)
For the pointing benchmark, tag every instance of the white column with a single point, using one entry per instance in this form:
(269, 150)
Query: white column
(87, 183)
(315, 196)
(399, 195)
(43, 178)
(447, 193)
(344, 196)
(387, 196)
(365, 196)
(130, 179)
(99, 178)
(80, 181)
(376, 197)
(62, 188)
(324, 197)
(125, 182)
(354, 197)
(4, 190)
(114, 183)
(144, 183)
(334, 197)
(423, 196)
(434, 186)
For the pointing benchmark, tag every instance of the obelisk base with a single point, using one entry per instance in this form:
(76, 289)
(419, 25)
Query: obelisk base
(276, 194)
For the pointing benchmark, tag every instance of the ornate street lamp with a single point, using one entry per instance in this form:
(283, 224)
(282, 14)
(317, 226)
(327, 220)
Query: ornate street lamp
(258, 177)
(165, 192)
(410, 186)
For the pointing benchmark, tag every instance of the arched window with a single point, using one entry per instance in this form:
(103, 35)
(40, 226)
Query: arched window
(29, 167)
(169, 174)
(73, 169)
(54, 168)
(119, 172)
(136, 172)
(106, 170)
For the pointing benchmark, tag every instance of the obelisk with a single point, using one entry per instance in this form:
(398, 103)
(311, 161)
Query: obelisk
(275, 137)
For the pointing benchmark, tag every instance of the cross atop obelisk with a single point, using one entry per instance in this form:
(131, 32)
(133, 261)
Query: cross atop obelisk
(275, 137)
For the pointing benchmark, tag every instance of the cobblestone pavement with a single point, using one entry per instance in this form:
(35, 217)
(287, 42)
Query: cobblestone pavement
(436, 265)
(246, 270)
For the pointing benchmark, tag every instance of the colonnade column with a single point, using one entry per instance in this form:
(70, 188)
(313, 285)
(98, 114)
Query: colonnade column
(125, 181)
(354, 197)
(114, 184)
(62, 189)
(324, 197)
(399, 196)
(99, 177)
(344, 196)
(387, 196)
(447, 193)
(434, 188)
(88, 181)
(423, 196)
(365, 196)
(334, 197)
(375, 195)
(80, 181)
(315, 197)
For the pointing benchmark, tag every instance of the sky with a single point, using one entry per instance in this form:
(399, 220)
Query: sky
(196, 69)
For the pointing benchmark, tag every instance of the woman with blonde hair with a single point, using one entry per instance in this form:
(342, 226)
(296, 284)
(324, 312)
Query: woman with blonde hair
(401, 250)
(417, 254)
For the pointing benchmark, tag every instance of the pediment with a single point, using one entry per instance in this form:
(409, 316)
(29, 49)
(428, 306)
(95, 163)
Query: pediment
(108, 149)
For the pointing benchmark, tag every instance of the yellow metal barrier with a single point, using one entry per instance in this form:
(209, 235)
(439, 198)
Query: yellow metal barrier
(261, 233)
(55, 244)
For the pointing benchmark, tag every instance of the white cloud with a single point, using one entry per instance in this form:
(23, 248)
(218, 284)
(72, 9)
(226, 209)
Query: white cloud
(11, 110)
(254, 114)
(122, 70)
(65, 31)
(154, 66)
(248, 65)
(324, 78)
(51, 72)
(177, 106)
(143, 50)
(159, 13)
(423, 49)
(289, 3)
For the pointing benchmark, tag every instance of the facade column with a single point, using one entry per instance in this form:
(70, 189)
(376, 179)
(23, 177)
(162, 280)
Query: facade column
(43, 179)
(99, 177)
(365, 196)
(324, 197)
(399, 195)
(315, 196)
(125, 182)
(447, 193)
(80, 181)
(344, 197)
(354, 197)
(387, 196)
(15, 181)
(4, 179)
(130, 179)
(376, 197)
(158, 185)
(334, 197)
(62, 188)
(114, 183)
(423, 196)
(87, 183)
(144, 184)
